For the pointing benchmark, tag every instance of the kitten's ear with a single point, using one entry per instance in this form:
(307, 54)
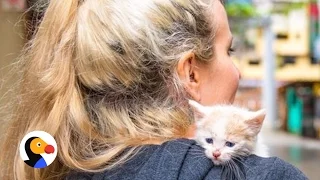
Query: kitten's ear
(198, 109)
(255, 120)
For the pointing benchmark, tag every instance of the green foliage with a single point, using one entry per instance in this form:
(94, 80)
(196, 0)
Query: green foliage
(243, 10)
(285, 8)
(247, 10)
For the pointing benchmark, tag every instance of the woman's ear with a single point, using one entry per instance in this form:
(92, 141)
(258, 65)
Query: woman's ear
(189, 75)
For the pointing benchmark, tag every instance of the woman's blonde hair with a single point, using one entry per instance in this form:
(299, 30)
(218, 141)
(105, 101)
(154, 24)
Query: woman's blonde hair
(100, 77)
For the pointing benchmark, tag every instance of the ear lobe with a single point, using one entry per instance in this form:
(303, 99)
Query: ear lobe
(189, 75)
(256, 120)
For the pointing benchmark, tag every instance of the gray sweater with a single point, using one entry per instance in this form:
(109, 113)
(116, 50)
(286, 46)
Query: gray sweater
(184, 160)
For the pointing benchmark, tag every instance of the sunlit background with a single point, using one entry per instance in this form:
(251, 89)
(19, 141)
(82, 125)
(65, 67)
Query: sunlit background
(277, 45)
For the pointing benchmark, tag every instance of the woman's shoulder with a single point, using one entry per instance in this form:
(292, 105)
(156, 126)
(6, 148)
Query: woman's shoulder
(163, 161)
(195, 165)
(184, 159)
(271, 168)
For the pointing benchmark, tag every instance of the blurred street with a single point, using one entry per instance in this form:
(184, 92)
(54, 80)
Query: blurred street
(304, 153)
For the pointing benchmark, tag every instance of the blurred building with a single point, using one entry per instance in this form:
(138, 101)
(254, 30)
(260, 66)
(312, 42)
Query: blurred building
(296, 49)
(295, 56)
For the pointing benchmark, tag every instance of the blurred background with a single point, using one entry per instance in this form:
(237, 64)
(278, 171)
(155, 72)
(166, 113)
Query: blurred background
(277, 45)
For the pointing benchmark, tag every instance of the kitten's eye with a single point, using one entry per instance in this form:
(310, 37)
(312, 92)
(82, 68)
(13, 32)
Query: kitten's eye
(209, 140)
(229, 144)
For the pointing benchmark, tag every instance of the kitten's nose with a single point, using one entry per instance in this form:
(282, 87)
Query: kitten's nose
(216, 154)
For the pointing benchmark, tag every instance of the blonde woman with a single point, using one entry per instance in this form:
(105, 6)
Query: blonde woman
(110, 80)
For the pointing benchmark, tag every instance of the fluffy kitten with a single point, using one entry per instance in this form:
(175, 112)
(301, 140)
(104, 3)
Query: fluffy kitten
(226, 132)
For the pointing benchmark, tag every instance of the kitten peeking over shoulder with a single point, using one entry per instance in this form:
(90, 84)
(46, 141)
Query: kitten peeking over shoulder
(227, 132)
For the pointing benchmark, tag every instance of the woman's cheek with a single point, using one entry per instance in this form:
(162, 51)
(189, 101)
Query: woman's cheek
(236, 77)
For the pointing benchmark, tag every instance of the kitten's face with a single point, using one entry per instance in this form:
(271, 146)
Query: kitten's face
(227, 132)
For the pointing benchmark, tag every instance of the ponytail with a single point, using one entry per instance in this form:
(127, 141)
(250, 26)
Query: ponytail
(101, 79)
(46, 87)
